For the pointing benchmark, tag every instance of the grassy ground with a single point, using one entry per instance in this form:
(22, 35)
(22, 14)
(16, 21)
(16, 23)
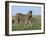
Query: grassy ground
(36, 25)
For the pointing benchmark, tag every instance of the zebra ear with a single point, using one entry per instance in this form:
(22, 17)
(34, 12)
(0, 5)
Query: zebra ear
(30, 11)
